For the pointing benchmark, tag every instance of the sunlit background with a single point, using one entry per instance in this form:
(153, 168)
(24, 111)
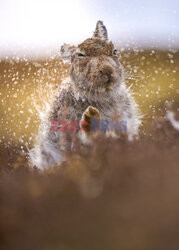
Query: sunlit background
(31, 32)
(41, 25)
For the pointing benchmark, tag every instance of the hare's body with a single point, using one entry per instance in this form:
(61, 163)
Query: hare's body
(116, 102)
(96, 81)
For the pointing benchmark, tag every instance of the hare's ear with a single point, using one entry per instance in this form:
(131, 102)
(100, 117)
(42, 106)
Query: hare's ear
(101, 31)
(66, 52)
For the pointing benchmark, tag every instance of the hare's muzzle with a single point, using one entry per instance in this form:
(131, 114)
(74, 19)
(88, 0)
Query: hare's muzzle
(102, 75)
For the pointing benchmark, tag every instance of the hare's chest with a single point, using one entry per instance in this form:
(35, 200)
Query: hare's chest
(108, 112)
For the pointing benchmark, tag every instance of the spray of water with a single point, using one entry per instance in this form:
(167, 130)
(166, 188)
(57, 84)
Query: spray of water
(28, 86)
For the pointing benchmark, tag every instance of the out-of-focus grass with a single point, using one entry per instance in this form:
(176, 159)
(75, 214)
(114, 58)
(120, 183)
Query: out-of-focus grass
(113, 195)
(26, 85)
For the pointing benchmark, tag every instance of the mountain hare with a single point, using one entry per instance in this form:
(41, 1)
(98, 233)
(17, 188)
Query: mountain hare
(95, 90)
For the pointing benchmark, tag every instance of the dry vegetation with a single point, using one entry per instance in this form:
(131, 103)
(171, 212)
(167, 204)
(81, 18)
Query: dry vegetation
(113, 195)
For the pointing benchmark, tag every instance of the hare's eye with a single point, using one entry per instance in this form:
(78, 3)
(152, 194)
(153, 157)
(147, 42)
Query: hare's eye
(115, 52)
(80, 55)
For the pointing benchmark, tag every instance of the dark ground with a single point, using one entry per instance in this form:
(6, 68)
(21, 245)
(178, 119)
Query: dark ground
(114, 195)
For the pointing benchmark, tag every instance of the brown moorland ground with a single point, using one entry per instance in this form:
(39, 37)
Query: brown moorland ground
(113, 195)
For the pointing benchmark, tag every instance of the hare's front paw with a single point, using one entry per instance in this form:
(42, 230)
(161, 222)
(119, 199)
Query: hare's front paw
(91, 114)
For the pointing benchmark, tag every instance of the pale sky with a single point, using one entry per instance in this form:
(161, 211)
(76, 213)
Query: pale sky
(29, 26)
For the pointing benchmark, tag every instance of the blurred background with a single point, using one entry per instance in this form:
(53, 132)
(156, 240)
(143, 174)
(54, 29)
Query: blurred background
(146, 33)
(32, 26)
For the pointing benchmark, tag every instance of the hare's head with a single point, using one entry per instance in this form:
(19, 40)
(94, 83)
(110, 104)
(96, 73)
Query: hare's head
(95, 62)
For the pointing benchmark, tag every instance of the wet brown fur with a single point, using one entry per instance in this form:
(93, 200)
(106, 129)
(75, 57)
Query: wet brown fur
(96, 81)
(101, 47)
